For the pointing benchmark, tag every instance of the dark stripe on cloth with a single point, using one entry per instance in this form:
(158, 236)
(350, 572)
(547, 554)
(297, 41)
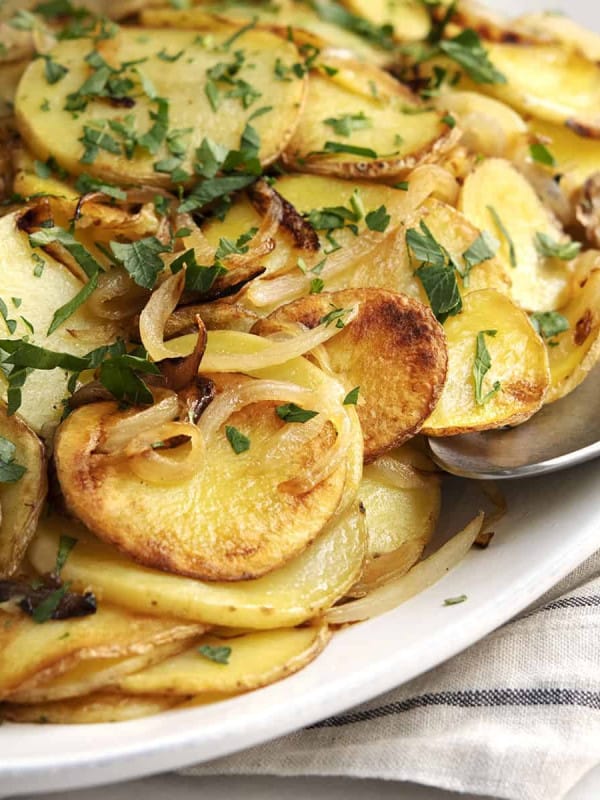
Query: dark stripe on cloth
(573, 602)
(473, 698)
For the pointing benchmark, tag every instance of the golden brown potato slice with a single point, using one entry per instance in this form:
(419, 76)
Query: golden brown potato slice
(189, 527)
(32, 653)
(577, 159)
(394, 350)
(22, 489)
(93, 674)
(575, 351)
(40, 285)
(498, 199)
(290, 595)
(362, 123)
(86, 142)
(549, 81)
(402, 500)
(251, 660)
(87, 710)
(516, 379)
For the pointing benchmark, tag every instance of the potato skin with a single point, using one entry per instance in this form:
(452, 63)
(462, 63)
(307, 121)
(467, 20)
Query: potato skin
(395, 350)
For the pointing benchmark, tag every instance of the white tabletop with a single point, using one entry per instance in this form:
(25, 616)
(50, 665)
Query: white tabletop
(175, 787)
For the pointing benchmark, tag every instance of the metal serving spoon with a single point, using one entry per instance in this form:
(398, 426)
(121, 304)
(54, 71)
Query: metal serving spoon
(561, 435)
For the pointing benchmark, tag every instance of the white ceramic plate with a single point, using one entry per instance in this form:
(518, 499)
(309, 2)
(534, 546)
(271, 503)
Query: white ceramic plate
(553, 524)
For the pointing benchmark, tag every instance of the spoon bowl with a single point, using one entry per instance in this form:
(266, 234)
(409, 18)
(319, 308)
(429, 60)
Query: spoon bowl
(561, 435)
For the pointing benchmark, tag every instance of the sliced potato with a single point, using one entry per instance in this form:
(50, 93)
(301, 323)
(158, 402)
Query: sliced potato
(21, 501)
(496, 195)
(255, 659)
(393, 350)
(577, 159)
(550, 82)
(563, 29)
(93, 674)
(395, 131)
(188, 527)
(33, 653)
(288, 596)
(88, 710)
(42, 285)
(576, 350)
(58, 132)
(409, 18)
(519, 364)
(489, 126)
(10, 75)
(402, 505)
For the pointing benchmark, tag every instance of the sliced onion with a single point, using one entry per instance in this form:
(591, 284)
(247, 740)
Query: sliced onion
(262, 242)
(117, 296)
(182, 372)
(399, 474)
(259, 391)
(166, 466)
(127, 428)
(416, 580)
(157, 311)
(387, 567)
(278, 351)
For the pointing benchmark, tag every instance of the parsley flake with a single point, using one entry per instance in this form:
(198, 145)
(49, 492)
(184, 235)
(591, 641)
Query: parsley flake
(220, 655)
(481, 366)
(290, 412)
(565, 251)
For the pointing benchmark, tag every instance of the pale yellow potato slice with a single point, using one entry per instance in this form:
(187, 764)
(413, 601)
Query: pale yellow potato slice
(88, 710)
(43, 285)
(255, 659)
(538, 282)
(519, 364)
(33, 653)
(563, 29)
(93, 674)
(410, 18)
(288, 596)
(394, 351)
(489, 127)
(577, 350)
(307, 28)
(577, 158)
(550, 82)
(402, 505)
(21, 501)
(400, 132)
(58, 132)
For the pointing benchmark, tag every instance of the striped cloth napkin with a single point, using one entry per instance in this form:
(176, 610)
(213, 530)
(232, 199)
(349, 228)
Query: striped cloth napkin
(516, 716)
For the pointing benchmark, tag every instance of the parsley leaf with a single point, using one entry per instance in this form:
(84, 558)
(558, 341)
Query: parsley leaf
(512, 254)
(351, 398)
(378, 220)
(379, 35)
(482, 249)
(141, 259)
(549, 323)
(441, 288)
(45, 609)
(290, 412)
(540, 153)
(66, 544)
(63, 313)
(425, 246)
(220, 655)
(340, 147)
(468, 52)
(481, 366)
(239, 443)
(53, 70)
(56, 234)
(10, 470)
(454, 601)
(546, 246)
(344, 125)
(198, 278)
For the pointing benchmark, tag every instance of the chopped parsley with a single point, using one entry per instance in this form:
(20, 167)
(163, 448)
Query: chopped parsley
(66, 544)
(351, 398)
(347, 123)
(141, 259)
(512, 254)
(378, 220)
(549, 323)
(53, 71)
(437, 272)
(10, 470)
(481, 366)
(62, 314)
(454, 601)
(540, 153)
(546, 246)
(350, 149)
(220, 655)
(482, 249)
(239, 443)
(290, 412)
(335, 315)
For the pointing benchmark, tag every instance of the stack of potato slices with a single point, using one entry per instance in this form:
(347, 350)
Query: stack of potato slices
(249, 252)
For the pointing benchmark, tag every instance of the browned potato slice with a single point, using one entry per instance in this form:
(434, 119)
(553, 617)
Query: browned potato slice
(390, 127)
(93, 674)
(495, 197)
(60, 133)
(296, 592)
(576, 350)
(549, 81)
(189, 528)
(254, 659)
(562, 29)
(88, 710)
(32, 654)
(394, 351)
(514, 386)
(21, 500)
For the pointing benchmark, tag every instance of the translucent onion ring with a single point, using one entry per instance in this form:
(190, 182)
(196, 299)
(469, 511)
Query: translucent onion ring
(117, 296)
(154, 465)
(127, 428)
(156, 312)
